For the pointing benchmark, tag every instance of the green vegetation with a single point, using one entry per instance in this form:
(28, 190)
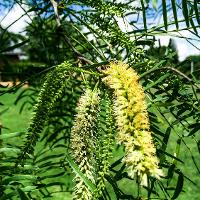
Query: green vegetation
(12, 120)
(21, 120)
(104, 113)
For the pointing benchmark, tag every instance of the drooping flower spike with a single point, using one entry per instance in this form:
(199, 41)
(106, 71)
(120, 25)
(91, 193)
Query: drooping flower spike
(83, 139)
(132, 122)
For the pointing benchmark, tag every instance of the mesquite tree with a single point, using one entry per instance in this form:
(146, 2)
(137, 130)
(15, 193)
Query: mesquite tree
(109, 122)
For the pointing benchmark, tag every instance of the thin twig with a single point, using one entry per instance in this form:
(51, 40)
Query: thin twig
(55, 8)
(182, 74)
(7, 13)
(173, 70)
(66, 38)
(76, 52)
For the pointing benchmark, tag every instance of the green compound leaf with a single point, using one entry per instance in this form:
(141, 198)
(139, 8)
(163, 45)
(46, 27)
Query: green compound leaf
(157, 81)
(9, 150)
(77, 171)
(185, 12)
(165, 13)
(179, 186)
(51, 91)
(194, 128)
(144, 15)
(22, 194)
(15, 46)
(11, 135)
(196, 12)
(18, 178)
(175, 13)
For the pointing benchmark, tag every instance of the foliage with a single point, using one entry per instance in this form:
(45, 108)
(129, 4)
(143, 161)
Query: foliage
(89, 100)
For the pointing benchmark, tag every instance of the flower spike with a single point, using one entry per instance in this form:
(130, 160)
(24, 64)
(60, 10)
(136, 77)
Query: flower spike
(83, 137)
(132, 122)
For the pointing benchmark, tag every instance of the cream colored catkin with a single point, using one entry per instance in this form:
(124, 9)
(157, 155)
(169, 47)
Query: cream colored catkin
(83, 137)
(132, 122)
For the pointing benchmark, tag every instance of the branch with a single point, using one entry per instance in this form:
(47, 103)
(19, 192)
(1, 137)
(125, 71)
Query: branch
(66, 39)
(183, 75)
(173, 70)
(55, 8)
(76, 52)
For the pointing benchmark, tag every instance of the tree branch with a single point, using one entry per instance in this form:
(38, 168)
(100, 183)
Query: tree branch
(175, 71)
(55, 8)
(66, 39)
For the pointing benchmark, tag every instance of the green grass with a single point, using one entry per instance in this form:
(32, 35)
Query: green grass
(16, 122)
(11, 119)
(189, 169)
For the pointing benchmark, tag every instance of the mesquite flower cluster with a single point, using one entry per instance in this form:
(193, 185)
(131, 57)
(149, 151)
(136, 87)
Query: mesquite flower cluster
(133, 131)
(132, 122)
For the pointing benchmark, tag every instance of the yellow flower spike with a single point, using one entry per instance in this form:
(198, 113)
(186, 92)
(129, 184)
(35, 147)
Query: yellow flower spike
(132, 121)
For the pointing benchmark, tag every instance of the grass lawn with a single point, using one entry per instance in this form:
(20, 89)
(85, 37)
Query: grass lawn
(15, 122)
(11, 119)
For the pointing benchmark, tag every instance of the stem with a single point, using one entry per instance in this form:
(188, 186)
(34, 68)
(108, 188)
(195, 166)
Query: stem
(66, 38)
